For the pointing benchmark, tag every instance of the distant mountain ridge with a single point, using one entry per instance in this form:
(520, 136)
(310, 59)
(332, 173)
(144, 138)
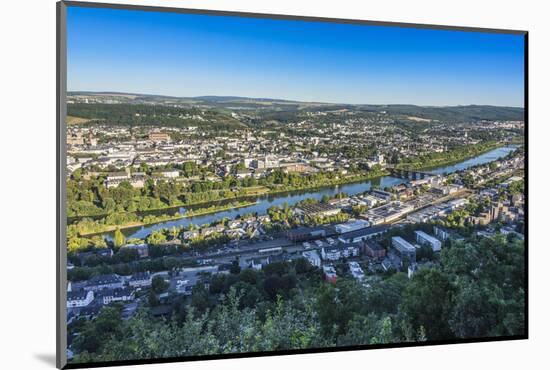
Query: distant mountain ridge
(226, 98)
(227, 103)
(211, 98)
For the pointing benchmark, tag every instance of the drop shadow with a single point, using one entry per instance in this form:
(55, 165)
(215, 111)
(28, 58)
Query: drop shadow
(47, 358)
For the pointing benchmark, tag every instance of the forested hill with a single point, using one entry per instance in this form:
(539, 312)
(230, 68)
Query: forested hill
(151, 115)
(136, 109)
(455, 113)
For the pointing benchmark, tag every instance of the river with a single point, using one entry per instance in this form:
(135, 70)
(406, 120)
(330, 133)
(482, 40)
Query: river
(484, 158)
(291, 198)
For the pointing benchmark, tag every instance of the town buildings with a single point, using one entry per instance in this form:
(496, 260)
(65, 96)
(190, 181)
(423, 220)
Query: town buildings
(356, 270)
(317, 209)
(387, 213)
(313, 258)
(441, 232)
(330, 273)
(404, 248)
(425, 239)
(373, 249)
(100, 282)
(80, 298)
(351, 225)
(140, 280)
(107, 296)
(157, 136)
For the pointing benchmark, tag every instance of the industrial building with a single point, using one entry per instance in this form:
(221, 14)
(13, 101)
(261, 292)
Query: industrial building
(351, 225)
(301, 234)
(317, 209)
(384, 195)
(387, 213)
(363, 234)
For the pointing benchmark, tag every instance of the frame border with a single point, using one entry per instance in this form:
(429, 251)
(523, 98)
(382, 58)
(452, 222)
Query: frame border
(61, 255)
(167, 9)
(61, 159)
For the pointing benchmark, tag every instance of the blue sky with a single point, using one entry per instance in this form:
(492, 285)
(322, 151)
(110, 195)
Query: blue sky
(193, 55)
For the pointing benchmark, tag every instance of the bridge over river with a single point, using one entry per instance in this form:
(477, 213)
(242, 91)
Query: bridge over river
(409, 174)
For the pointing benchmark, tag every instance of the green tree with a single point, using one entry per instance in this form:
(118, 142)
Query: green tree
(156, 237)
(158, 284)
(427, 302)
(119, 239)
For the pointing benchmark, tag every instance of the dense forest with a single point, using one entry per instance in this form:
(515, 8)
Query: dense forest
(474, 289)
(152, 115)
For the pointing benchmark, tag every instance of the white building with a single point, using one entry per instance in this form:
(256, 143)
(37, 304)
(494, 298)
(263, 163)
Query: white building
(331, 254)
(356, 270)
(313, 258)
(80, 298)
(171, 174)
(117, 295)
(351, 225)
(114, 179)
(426, 239)
(461, 202)
(371, 201)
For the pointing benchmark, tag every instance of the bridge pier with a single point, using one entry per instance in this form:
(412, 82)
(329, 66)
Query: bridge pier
(409, 174)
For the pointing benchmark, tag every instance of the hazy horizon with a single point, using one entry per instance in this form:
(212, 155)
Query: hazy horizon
(190, 55)
(105, 92)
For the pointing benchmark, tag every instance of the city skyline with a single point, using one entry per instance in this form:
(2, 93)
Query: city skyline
(188, 55)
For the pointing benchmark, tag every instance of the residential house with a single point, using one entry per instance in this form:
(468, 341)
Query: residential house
(140, 280)
(107, 296)
(356, 270)
(330, 273)
(100, 282)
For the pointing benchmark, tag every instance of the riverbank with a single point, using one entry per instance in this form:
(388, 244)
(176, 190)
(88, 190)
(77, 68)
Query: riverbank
(344, 181)
(275, 196)
(291, 198)
(255, 191)
(101, 229)
(449, 158)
